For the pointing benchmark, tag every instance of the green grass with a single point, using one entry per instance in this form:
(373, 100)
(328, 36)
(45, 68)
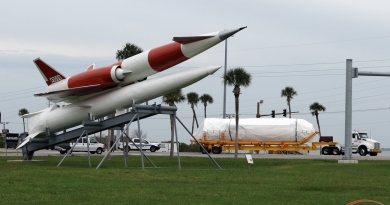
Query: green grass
(268, 181)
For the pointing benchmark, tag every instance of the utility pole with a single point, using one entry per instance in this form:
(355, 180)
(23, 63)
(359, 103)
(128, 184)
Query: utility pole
(224, 84)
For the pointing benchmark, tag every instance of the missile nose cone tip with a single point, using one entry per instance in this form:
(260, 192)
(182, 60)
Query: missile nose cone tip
(212, 69)
(227, 33)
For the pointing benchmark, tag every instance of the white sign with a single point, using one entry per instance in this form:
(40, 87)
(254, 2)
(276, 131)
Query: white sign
(249, 158)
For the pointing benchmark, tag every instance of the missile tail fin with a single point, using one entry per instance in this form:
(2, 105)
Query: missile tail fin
(49, 74)
(27, 139)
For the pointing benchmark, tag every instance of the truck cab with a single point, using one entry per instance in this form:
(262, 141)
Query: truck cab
(363, 144)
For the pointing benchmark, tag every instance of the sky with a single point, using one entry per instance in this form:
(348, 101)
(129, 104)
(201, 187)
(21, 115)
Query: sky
(302, 44)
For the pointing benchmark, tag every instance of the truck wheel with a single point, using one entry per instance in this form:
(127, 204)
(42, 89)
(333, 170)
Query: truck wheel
(336, 151)
(363, 151)
(153, 149)
(62, 152)
(373, 154)
(99, 150)
(326, 151)
(67, 150)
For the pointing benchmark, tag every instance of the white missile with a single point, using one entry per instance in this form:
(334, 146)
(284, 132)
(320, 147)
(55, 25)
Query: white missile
(60, 118)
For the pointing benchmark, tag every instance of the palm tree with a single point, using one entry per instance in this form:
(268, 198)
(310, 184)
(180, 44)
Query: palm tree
(170, 99)
(289, 92)
(127, 51)
(22, 112)
(206, 98)
(315, 108)
(237, 77)
(193, 99)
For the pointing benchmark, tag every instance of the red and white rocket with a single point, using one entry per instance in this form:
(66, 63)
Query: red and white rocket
(128, 71)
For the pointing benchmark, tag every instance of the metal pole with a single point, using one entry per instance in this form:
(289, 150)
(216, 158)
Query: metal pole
(348, 112)
(109, 150)
(71, 149)
(224, 84)
(140, 142)
(201, 146)
(177, 143)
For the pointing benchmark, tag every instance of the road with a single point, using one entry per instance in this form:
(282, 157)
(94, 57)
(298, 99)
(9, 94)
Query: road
(262, 155)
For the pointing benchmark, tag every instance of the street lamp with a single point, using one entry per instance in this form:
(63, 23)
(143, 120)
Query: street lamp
(258, 108)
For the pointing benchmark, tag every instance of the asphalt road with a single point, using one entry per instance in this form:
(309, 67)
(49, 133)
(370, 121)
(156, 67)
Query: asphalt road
(12, 152)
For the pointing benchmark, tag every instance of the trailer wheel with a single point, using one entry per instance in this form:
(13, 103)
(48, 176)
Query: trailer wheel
(62, 152)
(326, 151)
(363, 151)
(216, 150)
(203, 152)
(373, 153)
(336, 151)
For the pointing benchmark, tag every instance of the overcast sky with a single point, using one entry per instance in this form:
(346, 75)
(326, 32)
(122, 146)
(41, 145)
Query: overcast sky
(302, 44)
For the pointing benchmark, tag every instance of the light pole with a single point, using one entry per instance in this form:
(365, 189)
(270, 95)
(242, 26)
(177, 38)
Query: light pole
(258, 108)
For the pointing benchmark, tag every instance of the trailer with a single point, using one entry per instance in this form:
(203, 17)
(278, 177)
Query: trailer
(224, 144)
(281, 134)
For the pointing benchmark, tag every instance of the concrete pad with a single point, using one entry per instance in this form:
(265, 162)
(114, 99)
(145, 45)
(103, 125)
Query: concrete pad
(21, 160)
(345, 161)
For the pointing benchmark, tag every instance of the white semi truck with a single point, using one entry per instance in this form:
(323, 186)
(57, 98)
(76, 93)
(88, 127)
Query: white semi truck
(361, 144)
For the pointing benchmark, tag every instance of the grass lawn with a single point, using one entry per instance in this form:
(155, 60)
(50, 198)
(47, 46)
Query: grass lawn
(268, 181)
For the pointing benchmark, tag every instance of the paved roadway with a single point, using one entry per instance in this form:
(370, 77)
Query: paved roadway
(12, 152)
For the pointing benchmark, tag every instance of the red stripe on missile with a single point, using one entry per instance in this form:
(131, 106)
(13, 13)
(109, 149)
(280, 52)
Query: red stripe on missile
(96, 76)
(166, 56)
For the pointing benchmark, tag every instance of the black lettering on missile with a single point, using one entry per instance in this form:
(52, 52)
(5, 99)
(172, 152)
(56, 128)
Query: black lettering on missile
(55, 79)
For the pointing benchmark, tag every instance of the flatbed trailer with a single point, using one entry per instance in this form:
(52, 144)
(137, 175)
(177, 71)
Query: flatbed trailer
(217, 146)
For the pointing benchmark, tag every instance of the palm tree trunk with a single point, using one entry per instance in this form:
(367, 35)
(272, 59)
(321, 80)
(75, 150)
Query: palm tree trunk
(318, 124)
(289, 108)
(204, 111)
(193, 119)
(172, 137)
(236, 143)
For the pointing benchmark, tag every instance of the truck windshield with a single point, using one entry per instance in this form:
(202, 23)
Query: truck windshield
(363, 135)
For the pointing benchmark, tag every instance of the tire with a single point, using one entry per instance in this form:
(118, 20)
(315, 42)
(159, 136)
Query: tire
(92, 152)
(203, 152)
(363, 151)
(153, 149)
(216, 150)
(326, 151)
(62, 152)
(336, 151)
(373, 154)
(67, 150)
(99, 151)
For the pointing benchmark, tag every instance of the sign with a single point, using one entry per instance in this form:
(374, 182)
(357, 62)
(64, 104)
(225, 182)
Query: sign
(249, 158)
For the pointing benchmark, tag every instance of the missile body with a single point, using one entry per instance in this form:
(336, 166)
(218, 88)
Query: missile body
(60, 118)
(130, 70)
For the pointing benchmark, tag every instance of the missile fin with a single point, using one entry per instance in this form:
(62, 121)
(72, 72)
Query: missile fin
(91, 67)
(190, 39)
(49, 74)
(27, 139)
(31, 114)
